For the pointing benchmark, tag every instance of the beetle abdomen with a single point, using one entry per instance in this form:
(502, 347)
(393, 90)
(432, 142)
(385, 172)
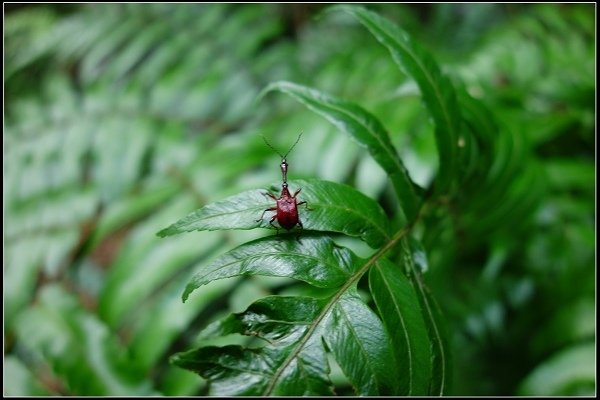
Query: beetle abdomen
(287, 212)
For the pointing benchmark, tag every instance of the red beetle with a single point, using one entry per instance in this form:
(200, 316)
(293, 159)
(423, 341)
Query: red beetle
(287, 205)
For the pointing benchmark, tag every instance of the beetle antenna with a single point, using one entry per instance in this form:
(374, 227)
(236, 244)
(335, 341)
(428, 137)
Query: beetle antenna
(271, 146)
(294, 145)
(275, 150)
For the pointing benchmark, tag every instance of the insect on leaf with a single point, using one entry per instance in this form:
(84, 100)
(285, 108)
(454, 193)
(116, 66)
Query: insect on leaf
(333, 207)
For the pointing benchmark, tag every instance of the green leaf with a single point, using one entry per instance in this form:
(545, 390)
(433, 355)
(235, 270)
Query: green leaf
(437, 90)
(363, 127)
(333, 207)
(483, 129)
(23, 263)
(294, 362)
(316, 260)
(361, 346)
(124, 211)
(414, 261)
(401, 313)
(570, 372)
(287, 365)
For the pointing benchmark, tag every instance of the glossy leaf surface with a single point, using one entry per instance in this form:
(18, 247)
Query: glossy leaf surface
(294, 358)
(401, 313)
(414, 261)
(314, 259)
(361, 346)
(281, 321)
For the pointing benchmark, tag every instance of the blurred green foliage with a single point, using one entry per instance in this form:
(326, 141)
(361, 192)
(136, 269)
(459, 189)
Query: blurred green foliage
(119, 119)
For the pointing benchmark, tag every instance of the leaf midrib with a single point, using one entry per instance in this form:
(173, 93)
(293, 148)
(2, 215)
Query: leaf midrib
(322, 103)
(363, 350)
(261, 207)
(434, 325)
(194, 215)
(424, 71)
(429, 78)
(279, 254)
(353, 211)
(332, 104)
(406, 335)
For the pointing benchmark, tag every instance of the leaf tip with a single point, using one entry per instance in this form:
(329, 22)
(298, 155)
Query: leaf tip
(269, 88)
(277, 85)
(345, 7)
(186, 293)
(176, 360)
(164, 232)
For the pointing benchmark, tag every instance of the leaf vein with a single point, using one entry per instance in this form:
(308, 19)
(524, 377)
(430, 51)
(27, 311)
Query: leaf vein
(334, 299)
(407, 337)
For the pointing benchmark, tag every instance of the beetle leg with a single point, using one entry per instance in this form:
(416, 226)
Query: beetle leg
(302, 202)
(273, 225)
(305, 203)
(271, 195)
(263, 214)
(301, 230)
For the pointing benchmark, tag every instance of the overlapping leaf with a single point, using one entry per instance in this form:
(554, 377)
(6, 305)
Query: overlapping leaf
(294, 359)
(414, 261)
(436, 89)
(363, 127)
(66, 176)
(402, 316)
(361, 346)
(313, 259)
(292, 326)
